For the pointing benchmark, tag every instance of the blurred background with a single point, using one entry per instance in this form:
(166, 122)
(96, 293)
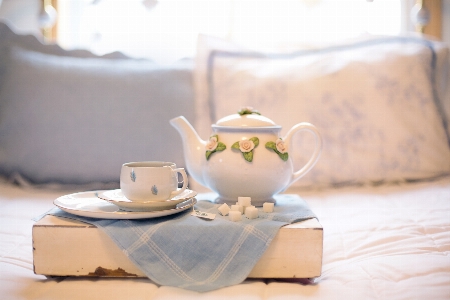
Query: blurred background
(166, 30)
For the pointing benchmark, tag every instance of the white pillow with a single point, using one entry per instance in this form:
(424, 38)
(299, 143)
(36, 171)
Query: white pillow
(375, 101)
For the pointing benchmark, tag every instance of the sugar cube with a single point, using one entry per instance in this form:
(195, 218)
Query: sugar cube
(245, 201)
(268, 207)
(237, 207)
(251, 212)
(224, 209)
(245, 208)
(234, 215)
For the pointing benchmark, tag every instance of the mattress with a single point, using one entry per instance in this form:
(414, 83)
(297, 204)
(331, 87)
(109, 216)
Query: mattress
(389, 241)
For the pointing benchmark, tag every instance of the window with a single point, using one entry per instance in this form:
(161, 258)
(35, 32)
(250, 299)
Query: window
(166, 30)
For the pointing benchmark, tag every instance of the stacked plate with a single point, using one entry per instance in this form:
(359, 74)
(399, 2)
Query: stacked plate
(112, 204)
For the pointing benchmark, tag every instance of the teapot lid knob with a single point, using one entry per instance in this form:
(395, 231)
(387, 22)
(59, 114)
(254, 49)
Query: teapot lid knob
(246, 117)
(248, 110)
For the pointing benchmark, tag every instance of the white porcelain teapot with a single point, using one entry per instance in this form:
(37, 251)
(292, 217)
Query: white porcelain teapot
(244, 156)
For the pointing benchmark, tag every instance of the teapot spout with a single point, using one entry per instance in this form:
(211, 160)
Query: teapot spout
(193, 147)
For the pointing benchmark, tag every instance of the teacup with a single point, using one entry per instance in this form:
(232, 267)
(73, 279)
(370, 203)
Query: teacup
(151, 181)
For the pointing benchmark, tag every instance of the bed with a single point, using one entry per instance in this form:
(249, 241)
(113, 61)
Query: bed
(381, 189)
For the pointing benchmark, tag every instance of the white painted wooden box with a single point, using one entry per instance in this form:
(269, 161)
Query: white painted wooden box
(64, 247)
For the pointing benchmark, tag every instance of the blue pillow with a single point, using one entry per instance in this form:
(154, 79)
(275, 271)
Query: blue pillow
(74, 117)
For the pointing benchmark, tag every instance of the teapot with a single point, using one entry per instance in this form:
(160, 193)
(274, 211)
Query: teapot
(244, 156)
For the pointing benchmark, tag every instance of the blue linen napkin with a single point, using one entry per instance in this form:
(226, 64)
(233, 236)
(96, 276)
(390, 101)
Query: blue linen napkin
(197, 254)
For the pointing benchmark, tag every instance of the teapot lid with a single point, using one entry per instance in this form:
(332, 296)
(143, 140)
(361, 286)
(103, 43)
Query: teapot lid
(246, 117)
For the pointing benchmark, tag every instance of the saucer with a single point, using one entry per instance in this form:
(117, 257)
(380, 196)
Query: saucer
(87, 204)
(116, 197)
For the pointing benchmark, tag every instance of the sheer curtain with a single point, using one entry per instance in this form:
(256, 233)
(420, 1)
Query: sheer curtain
(166, 30)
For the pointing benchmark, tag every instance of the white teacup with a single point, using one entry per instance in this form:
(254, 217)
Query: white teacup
(151, 181)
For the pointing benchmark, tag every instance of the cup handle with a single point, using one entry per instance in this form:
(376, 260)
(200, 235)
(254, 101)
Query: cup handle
(185, 182)
(317, 150)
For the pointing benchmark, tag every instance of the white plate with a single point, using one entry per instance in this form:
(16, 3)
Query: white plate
(87, 204)
(116, 197)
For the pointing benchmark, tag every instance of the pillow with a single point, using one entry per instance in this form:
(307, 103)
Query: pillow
(375, 102)
(442, 81)
(74, 117)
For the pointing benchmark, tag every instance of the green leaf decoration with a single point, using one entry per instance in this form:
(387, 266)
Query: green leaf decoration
(248, 156)
(255, 141)
(271, 145)
(283, 156)
(220, 146)
(248, 112)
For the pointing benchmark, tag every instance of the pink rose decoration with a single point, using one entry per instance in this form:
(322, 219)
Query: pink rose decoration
(246, 146)
(212, 144)
(281, 146)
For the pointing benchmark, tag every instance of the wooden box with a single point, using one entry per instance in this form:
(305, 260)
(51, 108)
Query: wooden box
(64, 247)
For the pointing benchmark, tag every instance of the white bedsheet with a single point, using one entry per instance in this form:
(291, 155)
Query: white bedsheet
(386, 242)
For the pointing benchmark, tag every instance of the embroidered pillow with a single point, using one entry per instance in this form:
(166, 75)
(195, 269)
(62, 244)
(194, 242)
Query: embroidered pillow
(375, 102)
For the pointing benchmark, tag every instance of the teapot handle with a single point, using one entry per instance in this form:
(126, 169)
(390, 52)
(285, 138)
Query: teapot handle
(317, 150)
